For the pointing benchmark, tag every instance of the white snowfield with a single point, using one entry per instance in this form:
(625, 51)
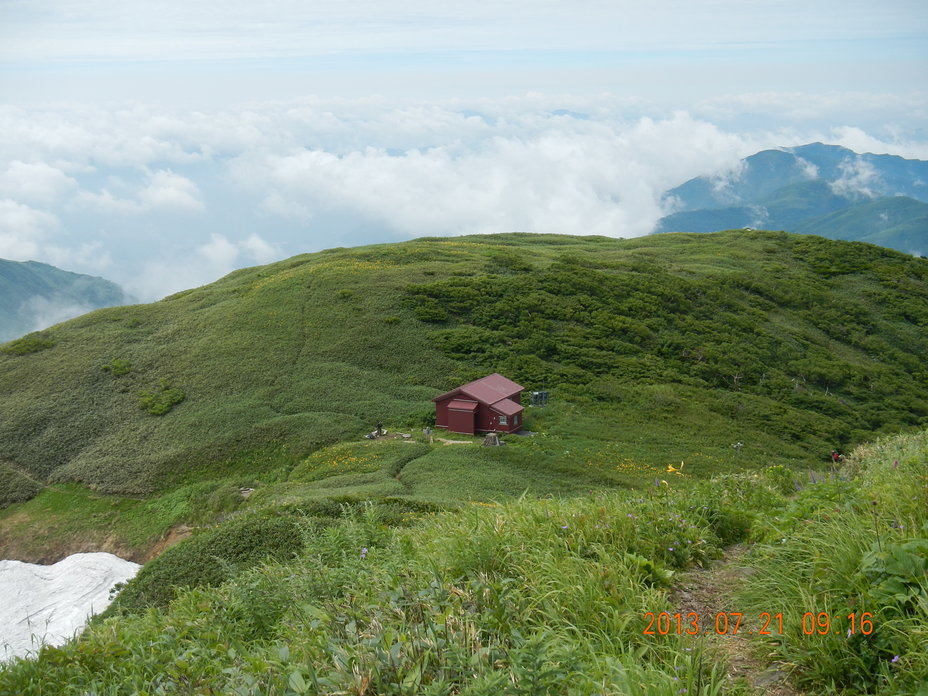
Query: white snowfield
(50, 604)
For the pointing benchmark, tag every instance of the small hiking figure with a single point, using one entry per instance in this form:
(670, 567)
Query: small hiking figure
(738, 446)
(379, 428)
(427, 431)
(835, 457)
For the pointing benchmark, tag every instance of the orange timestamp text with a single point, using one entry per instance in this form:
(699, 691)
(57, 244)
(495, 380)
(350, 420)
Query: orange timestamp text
(767, 623)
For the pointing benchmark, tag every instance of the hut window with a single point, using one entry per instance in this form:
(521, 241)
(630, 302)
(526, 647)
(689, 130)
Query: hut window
(502, 420)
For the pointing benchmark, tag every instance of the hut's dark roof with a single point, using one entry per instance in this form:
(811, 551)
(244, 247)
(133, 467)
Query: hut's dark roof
(488, 390)
(507, 407)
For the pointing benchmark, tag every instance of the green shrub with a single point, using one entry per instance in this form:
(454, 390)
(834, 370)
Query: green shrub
(731, 525)
(781, 478)
(160, 401)
(896, 576)
(210, 558)
(429, 310)
(16, 487)
(117, 367)
(32, 343)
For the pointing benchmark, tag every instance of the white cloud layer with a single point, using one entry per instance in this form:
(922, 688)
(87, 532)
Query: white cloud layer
(164, 191)
(36, 182)
(45, 311)
(858, 180)
(164, 199)
(22, 229)
(211, 260)
(535, 173)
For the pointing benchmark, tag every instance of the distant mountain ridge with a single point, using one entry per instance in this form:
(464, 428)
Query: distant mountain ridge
(812, 189)
(35, 295)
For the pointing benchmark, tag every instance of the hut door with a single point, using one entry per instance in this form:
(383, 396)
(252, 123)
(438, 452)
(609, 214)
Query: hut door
(461, 421)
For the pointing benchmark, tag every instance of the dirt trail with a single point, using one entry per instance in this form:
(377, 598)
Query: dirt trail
(174, 535)
(707, 592)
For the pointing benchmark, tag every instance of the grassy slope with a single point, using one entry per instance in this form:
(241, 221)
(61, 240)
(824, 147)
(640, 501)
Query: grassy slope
(547, 596)
(896, 222)
(798, 207)
(657, 350)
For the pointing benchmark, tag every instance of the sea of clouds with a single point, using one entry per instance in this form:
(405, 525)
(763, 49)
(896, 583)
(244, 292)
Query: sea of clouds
(160, 199)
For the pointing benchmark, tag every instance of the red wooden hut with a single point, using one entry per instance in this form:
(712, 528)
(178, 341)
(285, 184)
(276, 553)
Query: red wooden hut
(491, 403)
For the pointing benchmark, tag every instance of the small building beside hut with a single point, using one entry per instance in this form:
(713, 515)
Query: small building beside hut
(488, 404)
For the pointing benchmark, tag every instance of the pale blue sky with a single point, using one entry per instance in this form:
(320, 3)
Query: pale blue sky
(162, 143)
(223, 51)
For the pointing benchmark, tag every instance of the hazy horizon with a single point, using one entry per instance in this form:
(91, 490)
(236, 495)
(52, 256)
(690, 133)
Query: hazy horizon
(164, 144)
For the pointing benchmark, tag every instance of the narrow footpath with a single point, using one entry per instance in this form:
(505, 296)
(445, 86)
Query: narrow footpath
(707, 593)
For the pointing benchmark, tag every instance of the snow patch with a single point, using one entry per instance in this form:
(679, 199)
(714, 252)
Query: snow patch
(49, 605)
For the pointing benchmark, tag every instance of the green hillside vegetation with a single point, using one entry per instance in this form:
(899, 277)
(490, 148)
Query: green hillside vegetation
(895, 222)
(899, 222)
(323, 562)
(547, 596)
(655, 350)
(789, 207)
(794, 203)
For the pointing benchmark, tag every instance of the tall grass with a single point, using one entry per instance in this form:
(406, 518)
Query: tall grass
(528, 597)
(847, 545)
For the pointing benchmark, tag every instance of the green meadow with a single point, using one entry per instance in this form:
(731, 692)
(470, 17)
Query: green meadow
(319, 561)
(532, 595)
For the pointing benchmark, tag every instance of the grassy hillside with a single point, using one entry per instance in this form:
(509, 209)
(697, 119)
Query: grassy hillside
(897, 222)
(787, 208)
(655, 350)
(551, 596)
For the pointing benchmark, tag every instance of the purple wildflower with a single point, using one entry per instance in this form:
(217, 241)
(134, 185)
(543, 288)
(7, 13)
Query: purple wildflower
(895, 659)
(364, 552)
